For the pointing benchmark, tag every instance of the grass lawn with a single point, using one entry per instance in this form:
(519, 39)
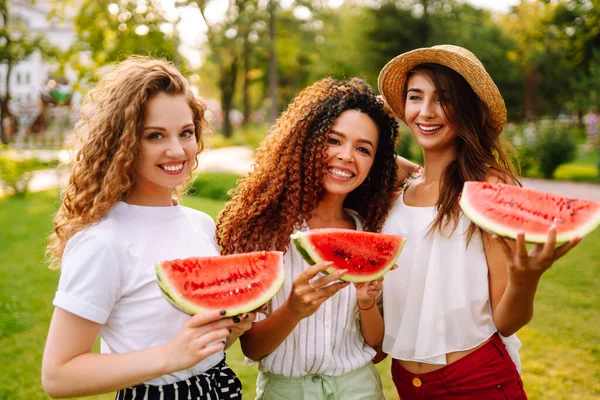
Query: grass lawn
(561, 350)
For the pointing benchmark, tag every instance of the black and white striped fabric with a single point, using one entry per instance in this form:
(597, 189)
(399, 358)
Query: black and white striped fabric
(217, 383)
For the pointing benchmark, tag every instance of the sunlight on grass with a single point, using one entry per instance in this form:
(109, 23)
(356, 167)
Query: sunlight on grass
(560, 353)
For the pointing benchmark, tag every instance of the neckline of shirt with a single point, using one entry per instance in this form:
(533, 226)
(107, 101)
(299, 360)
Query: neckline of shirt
(152, 212)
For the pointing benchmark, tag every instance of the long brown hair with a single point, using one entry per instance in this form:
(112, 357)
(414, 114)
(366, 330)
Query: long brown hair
(480, 151)
(286, 183)
(112, 118)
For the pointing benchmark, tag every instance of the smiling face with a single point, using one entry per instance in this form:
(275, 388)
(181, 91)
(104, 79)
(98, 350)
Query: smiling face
(167, 148)
(425, 116)
(351, 147)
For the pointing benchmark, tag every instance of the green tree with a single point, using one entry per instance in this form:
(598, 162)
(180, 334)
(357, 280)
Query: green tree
(110, 30)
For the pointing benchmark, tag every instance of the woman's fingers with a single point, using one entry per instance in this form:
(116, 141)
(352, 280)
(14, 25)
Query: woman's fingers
(565, 248)
(312, 271)
(327, 279)
(205, 318)
(326, 292)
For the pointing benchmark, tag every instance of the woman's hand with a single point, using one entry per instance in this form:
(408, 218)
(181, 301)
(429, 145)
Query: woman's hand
(242, 322)
(367, 292)
(526, 268)
(309, 293)
(202, 335)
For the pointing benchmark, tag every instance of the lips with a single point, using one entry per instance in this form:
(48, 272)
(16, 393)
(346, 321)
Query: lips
(172, 167)
(429, 129)
(341, 173)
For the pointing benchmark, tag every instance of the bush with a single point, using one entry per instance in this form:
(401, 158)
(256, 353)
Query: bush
(214, 185)
(573, 172)
(250, 136)
(555, 146)
(523, 140)
(15, 174)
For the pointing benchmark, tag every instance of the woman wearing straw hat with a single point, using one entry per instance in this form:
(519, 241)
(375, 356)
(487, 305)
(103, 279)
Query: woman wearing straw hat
(459, 295)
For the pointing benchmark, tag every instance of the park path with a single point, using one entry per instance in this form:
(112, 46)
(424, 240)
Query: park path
(239, 159)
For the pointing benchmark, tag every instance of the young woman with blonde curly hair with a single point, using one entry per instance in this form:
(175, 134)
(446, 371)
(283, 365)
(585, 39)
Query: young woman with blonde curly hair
(142, 130)
(328, 162)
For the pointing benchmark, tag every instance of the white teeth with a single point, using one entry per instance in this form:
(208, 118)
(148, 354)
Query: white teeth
(341, 174)
(172, 168)
(430, 128)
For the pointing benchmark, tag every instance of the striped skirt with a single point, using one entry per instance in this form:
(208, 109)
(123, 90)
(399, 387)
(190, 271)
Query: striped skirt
(217, 383)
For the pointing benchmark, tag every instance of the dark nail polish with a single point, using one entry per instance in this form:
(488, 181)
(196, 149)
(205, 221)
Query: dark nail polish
(246, 317)
(222, 312)
(236, 319)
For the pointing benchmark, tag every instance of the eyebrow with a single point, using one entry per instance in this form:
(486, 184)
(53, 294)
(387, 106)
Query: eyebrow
(442, 92)
(158, 128)
(359, 140)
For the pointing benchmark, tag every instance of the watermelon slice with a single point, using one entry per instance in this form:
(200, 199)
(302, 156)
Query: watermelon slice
(236, 283)
(366, 255)
(506, 209)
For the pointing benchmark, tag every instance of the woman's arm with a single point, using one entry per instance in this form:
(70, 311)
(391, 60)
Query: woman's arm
(70, 369)
(405, 168)
(305, 299)
(371, 320)
(514, 274)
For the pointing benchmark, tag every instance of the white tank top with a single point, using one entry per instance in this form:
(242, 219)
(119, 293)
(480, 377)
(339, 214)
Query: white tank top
(437, 301)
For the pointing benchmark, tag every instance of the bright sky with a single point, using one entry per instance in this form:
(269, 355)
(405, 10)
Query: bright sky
(192, 28)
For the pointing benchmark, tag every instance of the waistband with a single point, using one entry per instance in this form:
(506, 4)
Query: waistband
(473, 360)
(316, 377)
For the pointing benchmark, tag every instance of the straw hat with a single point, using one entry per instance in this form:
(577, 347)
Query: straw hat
(392, 79)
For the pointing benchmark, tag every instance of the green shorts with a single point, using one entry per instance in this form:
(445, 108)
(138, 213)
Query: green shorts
(361, 384)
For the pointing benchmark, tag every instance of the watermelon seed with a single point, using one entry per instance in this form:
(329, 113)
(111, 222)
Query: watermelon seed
(360, 267)
(231, 293)
(249, 286)
(237, 290)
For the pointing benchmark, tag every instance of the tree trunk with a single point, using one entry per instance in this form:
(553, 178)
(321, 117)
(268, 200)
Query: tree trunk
(4, 112)
(273, 78)
(246, 83)
(227, 83)
(531, 96)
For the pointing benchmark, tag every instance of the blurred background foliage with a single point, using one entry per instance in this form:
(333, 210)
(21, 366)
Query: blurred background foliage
(257, 55)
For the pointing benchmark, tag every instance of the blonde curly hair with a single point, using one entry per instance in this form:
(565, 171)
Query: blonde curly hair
(112, 118)
(286, 183)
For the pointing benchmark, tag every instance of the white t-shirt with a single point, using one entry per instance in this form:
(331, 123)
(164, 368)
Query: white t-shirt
(108, 276)
(328, 342)
(437, 301)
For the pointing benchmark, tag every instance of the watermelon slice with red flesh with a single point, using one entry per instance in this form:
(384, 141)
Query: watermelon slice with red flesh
(507, 209)
(236, 283)
(366, 255)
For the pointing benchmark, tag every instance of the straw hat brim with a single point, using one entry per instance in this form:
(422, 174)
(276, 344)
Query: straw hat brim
(392, 79)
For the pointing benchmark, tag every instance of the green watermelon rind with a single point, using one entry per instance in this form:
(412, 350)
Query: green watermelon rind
(488, 225)
(173, 296)
(305, 249)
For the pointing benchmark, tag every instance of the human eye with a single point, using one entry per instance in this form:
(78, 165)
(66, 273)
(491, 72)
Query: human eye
(188, 133)
(364, 150)
(154, 136)
(414, 97)
(333, 141)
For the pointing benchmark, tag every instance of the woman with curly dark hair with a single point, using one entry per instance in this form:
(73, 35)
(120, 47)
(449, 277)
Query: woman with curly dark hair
(328, 162)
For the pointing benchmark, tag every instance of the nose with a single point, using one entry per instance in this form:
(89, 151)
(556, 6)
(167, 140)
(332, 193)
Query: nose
(345, 153)
(174, 148)
(427, 110)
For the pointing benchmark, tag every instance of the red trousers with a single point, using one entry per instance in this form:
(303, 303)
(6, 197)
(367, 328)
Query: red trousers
(488, 373)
